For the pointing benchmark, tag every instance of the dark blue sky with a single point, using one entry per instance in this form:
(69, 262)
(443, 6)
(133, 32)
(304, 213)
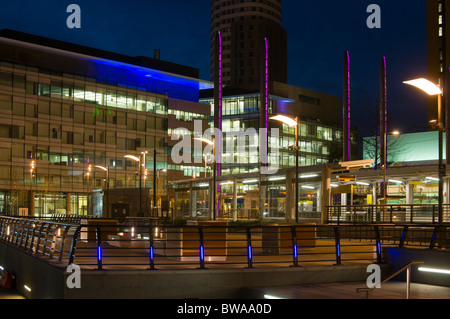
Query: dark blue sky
(319, 33)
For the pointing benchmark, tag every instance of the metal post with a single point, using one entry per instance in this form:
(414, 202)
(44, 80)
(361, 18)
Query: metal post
(249, 249)
(294, 246)
(434, 237)
(214, 180)
(154, 181)
(74, 244)
(107, 191)
(337, 240)
(378, 243)
(201, 248)
(99, 248)
(151, 248)
(402, 239)
(442, 168)
(140, 188)
(296, 170)
(408, 282)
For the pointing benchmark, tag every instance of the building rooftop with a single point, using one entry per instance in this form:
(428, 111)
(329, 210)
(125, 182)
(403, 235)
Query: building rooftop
(142, 61)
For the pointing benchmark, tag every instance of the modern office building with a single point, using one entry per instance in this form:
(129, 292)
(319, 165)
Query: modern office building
(69, 115)
(243, 25)
(242, 190)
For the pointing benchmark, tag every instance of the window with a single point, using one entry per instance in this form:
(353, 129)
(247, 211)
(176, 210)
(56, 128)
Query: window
(43, 129)
(31, 110)
(43, 107)
(44, 89)
(19, 81)
(19, 108)
(5, 102)
(30, 129)
(6, 78)
(55, 109)
(56, 89)
(78, 117)
(308, 99)
(67, 111)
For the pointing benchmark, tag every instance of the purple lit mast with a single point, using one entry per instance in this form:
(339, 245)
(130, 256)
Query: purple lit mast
(346, 110)
(383, 112)
(264, 94)
(218, 94)
(383, 123)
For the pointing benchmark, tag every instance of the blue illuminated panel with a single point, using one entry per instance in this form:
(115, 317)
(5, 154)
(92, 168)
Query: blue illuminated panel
(141, 78)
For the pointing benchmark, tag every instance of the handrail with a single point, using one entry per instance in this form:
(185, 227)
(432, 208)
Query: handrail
(408, 279)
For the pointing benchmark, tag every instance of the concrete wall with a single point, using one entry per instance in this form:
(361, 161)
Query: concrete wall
(49, 281)
(204, 284)
(45, 280)
(399, 257)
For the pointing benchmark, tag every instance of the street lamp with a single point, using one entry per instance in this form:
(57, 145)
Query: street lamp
(292, 122)
(211, 142)
(432, 89)
(138, 159)
(88, 174)
(106, 169)
(385, 164)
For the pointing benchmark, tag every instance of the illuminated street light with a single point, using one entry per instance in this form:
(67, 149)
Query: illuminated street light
(106, 169)
(425, 85)
(385, 164)
(138, 159)
(292, 122)
(432, 89)
(212, 142)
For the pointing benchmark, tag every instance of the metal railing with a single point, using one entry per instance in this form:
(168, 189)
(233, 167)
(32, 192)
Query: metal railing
(107, 244)
(51, 240)
(390, 213)
(408, 280)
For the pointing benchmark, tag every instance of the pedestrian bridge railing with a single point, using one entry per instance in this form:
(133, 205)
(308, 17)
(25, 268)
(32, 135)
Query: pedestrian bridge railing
(108, 244)
(389, 213)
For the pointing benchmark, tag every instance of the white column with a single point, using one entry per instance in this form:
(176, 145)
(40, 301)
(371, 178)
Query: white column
(409, 193)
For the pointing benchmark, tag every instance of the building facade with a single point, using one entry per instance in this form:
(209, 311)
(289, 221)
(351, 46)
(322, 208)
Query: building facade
(70, 114)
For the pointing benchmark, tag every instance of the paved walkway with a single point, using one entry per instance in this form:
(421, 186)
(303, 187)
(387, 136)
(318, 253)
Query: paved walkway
(10, 294)
(390, 290)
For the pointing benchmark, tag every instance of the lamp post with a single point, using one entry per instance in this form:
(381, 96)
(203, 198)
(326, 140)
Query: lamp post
(212, 142)
(106, 169)
(292, 122)
(156, 186)
(385, 164)
(88, 189)
(432, 89)
(138, 159)
(31, 204)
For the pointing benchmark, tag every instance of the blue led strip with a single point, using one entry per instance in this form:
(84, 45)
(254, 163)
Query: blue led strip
(99, 254)
(295, 251)
(250, 252)
(202, 253)
(151, 253)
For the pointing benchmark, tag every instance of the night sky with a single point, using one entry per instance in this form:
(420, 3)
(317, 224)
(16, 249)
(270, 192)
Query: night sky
(319, 33)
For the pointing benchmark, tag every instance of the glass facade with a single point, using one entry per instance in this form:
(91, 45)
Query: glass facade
(316, 140)
(55, 127)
